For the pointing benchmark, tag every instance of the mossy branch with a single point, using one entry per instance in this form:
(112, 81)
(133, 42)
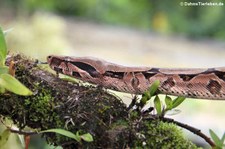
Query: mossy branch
(59, 103)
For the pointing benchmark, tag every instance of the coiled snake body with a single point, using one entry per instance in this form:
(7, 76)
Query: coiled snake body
(195, 83)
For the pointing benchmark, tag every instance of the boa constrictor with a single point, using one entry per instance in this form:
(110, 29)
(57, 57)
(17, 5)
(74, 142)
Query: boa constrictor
(195, 83)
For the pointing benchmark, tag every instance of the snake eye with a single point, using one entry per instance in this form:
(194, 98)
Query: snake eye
(49, 59)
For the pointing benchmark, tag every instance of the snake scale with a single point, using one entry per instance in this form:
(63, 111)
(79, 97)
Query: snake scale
(192, 82)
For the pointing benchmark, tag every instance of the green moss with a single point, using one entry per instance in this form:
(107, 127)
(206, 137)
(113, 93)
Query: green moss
(119, 123)
(41, 106)
(161, 135)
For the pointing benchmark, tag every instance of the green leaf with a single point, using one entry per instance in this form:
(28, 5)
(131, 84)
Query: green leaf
(12, 84)
(146, 94)
(144, 99)
(65, 133)
(169, 103)
(4, 136)
(153, 88)
(21, 140)
(87, 137)
(157, 104)
(223, 138)
(150, 92)
(215, 138)
(3, 48)
(178, 101)
(4, 69)
(2, 90)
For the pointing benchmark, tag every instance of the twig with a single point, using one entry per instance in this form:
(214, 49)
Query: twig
(22, 132)
(191, 129)
(133, 103)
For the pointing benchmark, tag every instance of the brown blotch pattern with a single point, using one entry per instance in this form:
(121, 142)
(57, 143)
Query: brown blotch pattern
(148, 75)
(58, 70)
(189, 85)
(186, 77)
(134, 82)
(154, 70)
(56, 61)
(214, 87)
(220, 74)
(112, 74)
(168, 83)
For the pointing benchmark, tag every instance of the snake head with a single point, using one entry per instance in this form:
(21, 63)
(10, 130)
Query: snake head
(74, 66)
(54, 61)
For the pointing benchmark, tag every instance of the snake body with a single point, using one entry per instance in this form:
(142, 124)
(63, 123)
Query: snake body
(193, 82)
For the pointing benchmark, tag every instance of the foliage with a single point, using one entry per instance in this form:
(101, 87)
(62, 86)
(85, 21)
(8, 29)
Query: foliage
(170, 104)
(220, 143)
(6, 80)
(4, 136)
(159, 107)
(86, 137)
(149, 93)
(3, 49)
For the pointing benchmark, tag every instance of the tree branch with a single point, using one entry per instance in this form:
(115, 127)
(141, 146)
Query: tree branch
(191, 129)
(64, 103)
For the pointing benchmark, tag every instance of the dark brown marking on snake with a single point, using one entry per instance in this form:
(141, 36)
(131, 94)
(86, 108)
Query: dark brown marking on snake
(168, 83)
(83, 66)
(214, 87)
(58, 70)
(65, 68)
(154, 70)
(135, 82)
(219, 74)
(189, 85)
(189, 94)
(118, 75)
(95, 74)
(55, 61)
(76, 74)
(148, 75)
(186, 77)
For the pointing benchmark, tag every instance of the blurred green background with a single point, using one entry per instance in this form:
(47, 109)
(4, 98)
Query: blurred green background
(167, 17)
(144, 32)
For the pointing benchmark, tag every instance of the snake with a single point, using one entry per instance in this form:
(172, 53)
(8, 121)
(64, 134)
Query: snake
(198, 83)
